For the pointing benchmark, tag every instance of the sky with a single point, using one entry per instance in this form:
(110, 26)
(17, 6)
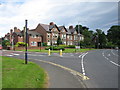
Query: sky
(95, 14)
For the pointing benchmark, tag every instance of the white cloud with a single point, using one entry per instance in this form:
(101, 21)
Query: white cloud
(14, 12)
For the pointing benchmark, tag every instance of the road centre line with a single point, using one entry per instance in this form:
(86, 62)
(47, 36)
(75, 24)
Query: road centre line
(65, 68)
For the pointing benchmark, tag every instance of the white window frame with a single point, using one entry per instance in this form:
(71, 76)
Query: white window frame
(33, 43)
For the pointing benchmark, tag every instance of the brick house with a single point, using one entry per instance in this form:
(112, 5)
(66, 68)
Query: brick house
(51, 32)
(34, 38)
(44, 33)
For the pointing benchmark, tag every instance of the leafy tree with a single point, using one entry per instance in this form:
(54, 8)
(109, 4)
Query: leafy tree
(5, 43)
(113, 35)
(59, 40)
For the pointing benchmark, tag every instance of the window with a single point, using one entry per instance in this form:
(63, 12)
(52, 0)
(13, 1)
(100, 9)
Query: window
(33, 43)
(33, 36)
(48, 34)
(75, 37)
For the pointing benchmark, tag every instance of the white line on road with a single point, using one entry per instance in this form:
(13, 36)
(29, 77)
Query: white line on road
(15, 54)
(82, 63)
(113, 53)
(115, 63)
(109, 59)
(80, 55)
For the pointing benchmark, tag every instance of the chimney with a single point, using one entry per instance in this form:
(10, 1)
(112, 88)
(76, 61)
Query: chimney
(71, 27)
(11, 31)
(16, 30)
(51, 23)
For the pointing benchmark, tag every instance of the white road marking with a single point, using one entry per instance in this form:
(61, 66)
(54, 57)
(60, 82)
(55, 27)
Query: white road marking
(108, 55)
(115, 63)
(80, 55)
(109, 59)
(82, 63)
(9, 55)
(65, 68)
(113, 53)
(15, 54)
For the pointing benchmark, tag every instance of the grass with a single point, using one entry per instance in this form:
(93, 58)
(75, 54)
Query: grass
(57, 51)
(16, 74)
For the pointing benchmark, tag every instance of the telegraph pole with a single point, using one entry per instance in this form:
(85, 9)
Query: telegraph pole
(26, 42)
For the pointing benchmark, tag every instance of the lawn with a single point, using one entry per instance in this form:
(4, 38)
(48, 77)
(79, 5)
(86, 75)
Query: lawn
(16, 74)
(57, 51)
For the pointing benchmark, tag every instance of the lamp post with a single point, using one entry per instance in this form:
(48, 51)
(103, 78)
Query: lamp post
(26, 42)
(78, 35)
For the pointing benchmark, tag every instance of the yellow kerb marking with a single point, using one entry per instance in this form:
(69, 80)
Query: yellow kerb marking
(68, 69)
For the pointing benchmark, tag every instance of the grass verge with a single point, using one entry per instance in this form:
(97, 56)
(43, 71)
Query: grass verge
(16, 74)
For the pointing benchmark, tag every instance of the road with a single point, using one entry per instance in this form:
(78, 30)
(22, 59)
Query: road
(100, 66)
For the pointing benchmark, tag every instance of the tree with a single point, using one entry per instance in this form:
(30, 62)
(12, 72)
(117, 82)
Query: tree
(5, 43)
(113, 35)
(59, 40)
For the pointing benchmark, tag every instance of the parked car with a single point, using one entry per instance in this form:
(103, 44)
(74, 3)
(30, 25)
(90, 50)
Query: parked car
(0, 47)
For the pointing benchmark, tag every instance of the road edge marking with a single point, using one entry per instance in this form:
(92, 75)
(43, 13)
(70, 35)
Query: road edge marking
(65, 68)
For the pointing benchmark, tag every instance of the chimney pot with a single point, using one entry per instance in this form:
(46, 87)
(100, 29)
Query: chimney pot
(71, 27)
(51, 23)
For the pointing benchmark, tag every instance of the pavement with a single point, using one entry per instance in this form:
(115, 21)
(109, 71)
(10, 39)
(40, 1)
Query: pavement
(60, 78)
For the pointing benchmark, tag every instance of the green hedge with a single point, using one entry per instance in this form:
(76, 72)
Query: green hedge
(71, 46)
(55, 48)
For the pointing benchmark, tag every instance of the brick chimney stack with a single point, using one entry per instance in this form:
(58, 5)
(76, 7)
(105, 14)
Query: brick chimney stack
(11, 32)
(16, 30)
(51, 23)
(71, 27)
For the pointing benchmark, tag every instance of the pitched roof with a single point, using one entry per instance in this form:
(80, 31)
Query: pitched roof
(18, 33)
(48, 28)
(70, 31)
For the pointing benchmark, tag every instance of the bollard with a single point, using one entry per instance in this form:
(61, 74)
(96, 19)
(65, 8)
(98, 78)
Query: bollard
(49, 52)
(61, 52)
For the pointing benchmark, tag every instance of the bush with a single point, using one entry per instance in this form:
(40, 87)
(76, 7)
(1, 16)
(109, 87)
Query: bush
(44, 44)
(20, 44)
(71, 46)
(54, 48)
(63, 46)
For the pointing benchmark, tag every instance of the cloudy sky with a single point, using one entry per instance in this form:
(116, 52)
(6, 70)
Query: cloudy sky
(95, 14)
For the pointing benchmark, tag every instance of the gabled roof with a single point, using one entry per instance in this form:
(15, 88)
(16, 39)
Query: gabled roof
(61, 27)
(70, 31)
(18, 33)
(48, 28)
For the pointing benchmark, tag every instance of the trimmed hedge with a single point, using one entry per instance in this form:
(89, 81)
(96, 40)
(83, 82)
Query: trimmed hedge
(55, 48)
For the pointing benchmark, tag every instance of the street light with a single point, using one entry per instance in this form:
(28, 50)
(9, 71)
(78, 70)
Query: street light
(26, 42)
(78, 34)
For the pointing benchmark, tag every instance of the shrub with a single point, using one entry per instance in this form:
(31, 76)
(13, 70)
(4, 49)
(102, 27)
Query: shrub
(71, 46)
(20, 44)
(63, 46)
(54, 48)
